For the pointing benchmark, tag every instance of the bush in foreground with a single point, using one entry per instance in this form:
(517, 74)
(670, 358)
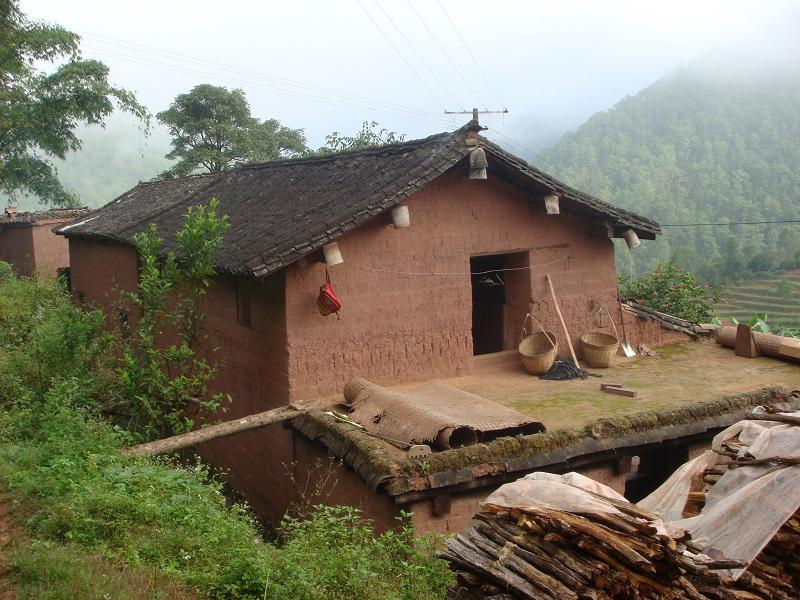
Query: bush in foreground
(102, 525)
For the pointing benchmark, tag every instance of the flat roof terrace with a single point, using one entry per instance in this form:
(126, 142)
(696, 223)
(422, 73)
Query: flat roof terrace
(676, 375)
(686, 393)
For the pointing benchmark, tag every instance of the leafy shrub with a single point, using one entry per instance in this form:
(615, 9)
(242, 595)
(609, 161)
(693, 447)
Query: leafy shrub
(62, 463)
(351, 562)
(44, 339)
(673, 290)
(166, 383)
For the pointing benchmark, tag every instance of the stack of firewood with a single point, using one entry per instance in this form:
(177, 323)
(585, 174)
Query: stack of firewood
(542, 553)
(775, 573)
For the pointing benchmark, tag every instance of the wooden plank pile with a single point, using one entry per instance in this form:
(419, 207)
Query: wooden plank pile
(774, 573)
(542, 553)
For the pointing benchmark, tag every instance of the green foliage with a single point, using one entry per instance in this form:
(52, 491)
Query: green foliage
(99, 524)
(62, 464)
(352, 563)
(39, 110)
(213, 130)
(786, 289)
(758, 322)
(673, 290)
(368, 137)
(167, 383)
(704, 144)
(45, 339)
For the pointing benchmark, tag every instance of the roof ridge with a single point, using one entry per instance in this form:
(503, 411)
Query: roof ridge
(334, 155)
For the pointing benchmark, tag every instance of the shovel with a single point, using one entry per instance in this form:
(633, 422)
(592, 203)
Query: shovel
(627, 349)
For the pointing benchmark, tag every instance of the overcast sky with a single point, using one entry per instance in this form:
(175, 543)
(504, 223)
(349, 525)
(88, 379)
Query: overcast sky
(552, 64)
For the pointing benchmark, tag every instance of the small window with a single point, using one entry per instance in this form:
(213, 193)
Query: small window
(243, 314)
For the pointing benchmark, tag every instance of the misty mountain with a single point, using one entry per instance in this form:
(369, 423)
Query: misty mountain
(112, 160)
(704, 144)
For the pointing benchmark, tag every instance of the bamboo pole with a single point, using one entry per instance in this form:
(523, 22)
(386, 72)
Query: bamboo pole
(184, 440)
(561, 318)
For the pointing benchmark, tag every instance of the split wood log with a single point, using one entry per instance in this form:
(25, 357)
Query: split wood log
(185, 440)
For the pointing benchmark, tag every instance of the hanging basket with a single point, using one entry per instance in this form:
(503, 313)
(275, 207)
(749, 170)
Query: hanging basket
(537, 350)
(600, 348)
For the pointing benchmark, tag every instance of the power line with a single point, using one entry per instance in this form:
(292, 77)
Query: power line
(417, 54)
(446, 55)
(727, 224)
(400, 54)
(141, 48)
(145, 61)
(469, 50)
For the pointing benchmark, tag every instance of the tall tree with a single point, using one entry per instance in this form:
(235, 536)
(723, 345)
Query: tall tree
(40, 109)
(369, 136)
(213, 130)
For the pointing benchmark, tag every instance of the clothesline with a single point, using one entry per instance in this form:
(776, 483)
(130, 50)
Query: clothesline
(462, 273)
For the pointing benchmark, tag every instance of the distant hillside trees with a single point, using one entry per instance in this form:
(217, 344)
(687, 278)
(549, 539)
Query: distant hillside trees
(212, 131)
(40, 109)
(704, 144)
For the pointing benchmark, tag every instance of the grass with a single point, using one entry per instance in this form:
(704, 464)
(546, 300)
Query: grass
(47, 571)
(94, 523)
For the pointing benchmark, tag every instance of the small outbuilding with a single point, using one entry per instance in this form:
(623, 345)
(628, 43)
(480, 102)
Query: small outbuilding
(437, 249)
(28, 243)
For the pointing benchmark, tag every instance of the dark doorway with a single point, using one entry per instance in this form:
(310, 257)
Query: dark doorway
(488, 302)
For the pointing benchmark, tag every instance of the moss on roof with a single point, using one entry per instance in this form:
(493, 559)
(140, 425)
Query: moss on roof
(378, 461)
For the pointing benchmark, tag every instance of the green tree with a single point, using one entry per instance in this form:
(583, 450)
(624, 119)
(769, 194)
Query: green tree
(166, 384)
(213, 130)
(39, 110)
(368, 137)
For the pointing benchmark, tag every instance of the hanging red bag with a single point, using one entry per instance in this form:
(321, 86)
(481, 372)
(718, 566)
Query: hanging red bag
(327, 301)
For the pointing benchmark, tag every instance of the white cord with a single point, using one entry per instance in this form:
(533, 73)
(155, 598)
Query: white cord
(461, 273)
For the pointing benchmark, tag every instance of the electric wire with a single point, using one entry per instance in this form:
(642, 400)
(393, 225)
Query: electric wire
(418, 55)
(462, 273)
(400, 54)
(728, 224)
(469, 50)
(137, 47)
(430, 121)
(446, 55)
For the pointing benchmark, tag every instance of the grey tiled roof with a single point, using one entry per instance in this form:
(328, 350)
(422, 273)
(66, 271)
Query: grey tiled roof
(281, 211)
(57, 214)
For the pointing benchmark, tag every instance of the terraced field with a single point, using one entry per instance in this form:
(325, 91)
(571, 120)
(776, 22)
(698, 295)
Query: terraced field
(782, 306)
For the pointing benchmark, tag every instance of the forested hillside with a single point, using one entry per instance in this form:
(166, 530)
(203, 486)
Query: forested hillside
(113, 159)
(704, 144)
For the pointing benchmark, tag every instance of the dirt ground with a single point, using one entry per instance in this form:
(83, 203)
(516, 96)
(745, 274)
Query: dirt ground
(678, 374)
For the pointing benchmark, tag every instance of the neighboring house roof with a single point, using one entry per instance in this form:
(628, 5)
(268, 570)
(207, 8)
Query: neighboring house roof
(283, 210)
(31, 218)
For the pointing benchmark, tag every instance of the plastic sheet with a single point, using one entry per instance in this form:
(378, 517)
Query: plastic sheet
(746, 507)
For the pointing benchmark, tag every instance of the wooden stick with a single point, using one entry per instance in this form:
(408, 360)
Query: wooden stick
(561, 318)
(176, 442)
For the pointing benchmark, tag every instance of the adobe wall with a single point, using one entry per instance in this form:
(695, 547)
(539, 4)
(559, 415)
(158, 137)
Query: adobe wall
(399, 327)
(100, 271)
(52, 251)
(16, 248)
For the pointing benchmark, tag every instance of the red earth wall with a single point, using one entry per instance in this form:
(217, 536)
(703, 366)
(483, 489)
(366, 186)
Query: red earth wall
(397, 327)
(16, 248)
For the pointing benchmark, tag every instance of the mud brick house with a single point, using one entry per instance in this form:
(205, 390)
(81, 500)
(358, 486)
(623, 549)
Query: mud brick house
(445, 243)
(28, 243)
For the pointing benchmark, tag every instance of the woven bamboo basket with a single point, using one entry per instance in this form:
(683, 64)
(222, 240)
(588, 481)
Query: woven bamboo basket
(600, 348)
(537, 350)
